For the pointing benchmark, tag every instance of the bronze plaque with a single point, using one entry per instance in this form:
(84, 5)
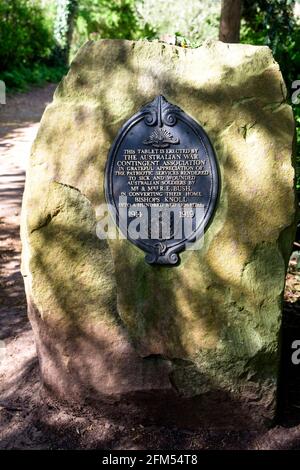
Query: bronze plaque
(162, 181)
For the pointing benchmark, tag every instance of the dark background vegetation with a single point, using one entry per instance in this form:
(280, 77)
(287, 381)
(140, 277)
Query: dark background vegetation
(39, 37)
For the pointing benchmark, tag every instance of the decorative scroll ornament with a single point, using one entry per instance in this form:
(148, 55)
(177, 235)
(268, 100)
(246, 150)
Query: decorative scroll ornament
(160, 112)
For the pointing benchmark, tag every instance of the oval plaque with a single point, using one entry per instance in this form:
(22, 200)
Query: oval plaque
(161, 181)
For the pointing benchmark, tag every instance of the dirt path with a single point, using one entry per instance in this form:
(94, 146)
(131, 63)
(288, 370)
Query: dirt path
(19, 121)
(27, 420)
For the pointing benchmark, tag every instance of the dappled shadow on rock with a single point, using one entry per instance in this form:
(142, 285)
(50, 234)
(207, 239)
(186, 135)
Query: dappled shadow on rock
(170, 315)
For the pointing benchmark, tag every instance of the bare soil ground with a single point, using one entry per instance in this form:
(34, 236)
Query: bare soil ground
(30, 421)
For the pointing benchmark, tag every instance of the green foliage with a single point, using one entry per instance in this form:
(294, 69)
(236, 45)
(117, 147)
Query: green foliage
(150, 19)
(19, 78)
(109, 19)
(24, 34)
(28, 53)
(193, 20)
(273, 24)
(116, 19)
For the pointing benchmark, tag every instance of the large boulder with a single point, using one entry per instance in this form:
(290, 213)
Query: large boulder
(107, 324)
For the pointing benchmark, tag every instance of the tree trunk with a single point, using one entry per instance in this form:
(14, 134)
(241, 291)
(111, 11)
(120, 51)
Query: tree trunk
(230, 21)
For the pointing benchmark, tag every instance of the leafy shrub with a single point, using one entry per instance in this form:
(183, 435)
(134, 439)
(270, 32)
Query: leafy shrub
(19, 79)
(273, 24)
(24, 35)
(109, 19)
(28, 50)
(193, 20)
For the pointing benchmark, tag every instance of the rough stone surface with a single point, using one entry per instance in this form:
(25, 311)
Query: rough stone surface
(107, 325)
